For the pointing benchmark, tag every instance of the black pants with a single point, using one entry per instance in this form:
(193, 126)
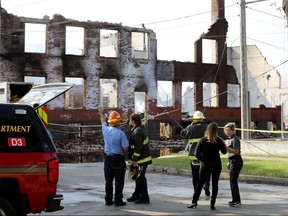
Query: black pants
(141, 188)
(114, 168)
(206, 171)
(236, 164)
(195, 169)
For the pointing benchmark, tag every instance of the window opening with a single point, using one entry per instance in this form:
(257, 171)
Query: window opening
(139, 45)
(109, 93)
(209, 50)
(188, 97)
(74, 40)
(164, 93)
(75, 97)
(140, 102)
(210, 94)
(35, 79)
(109, 43)
(35, 38)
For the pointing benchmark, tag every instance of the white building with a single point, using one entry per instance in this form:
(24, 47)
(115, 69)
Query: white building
(264, 81)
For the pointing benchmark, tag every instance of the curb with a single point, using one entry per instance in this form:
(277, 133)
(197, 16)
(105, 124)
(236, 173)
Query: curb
(250, 179)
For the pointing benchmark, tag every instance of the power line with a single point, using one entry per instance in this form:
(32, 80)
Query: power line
(269, 14)
(24, 5)
(184, 17)
(269, 44)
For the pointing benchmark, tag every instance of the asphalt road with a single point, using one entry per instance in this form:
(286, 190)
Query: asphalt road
(83, 188)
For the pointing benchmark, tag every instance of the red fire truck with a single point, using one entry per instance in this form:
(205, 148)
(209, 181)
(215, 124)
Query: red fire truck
(29, 167)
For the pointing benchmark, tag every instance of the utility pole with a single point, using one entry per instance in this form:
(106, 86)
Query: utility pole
(245, 108)
(245, 99)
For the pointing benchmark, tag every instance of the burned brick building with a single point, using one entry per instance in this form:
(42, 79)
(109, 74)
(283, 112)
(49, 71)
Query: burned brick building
(124, 59)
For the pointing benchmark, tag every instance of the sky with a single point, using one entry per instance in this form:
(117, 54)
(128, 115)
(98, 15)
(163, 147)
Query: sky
(177, 23)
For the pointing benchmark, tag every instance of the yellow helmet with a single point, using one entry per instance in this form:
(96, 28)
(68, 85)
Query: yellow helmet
(134, 173)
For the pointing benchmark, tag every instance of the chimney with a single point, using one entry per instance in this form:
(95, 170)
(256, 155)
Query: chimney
(218, 10)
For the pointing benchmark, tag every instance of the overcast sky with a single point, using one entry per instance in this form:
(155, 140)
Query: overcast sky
(177, 23)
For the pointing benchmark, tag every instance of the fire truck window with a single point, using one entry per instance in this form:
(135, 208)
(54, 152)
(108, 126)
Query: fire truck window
(19, 136)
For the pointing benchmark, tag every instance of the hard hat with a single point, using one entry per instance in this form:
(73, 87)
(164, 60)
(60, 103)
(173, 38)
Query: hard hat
(198, 115)
(114, 117)
(134, 172)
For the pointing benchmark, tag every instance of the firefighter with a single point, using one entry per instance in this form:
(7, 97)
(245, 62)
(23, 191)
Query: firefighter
(194, 132)
(115, 146)
(139, 155)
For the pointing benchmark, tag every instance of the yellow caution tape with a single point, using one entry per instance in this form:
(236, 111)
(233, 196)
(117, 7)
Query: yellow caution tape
(262, 131)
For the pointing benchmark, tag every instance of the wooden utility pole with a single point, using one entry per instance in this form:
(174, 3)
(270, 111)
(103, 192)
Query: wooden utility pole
(245, 100)
(244, 97)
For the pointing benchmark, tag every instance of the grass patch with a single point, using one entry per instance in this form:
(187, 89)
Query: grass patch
(261, 167)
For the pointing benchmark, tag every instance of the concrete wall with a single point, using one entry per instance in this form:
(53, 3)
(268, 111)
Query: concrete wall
(265, 147)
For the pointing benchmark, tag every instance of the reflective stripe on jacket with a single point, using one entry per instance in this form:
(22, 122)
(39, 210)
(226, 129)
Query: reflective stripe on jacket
(139, 150)
(194, 132)
(194, 140)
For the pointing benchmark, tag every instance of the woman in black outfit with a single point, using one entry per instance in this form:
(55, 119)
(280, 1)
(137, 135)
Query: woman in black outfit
(207, 151)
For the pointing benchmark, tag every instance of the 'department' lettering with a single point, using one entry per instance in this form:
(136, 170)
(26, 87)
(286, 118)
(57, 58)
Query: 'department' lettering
(15, 128)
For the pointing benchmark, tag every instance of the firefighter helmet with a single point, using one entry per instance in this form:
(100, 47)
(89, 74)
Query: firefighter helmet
(134, 172)
(198, 115)
(114, 117)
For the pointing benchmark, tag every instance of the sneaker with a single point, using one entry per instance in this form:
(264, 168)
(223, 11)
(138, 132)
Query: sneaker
(132, 199)
(230, 202)
(120, 203)
(108, 203)
(142, 201)
(207, 192)
(234, 204)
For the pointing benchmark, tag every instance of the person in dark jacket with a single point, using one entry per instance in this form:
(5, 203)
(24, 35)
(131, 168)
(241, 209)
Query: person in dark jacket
(139, 155)
(207, 151)
(194, 132)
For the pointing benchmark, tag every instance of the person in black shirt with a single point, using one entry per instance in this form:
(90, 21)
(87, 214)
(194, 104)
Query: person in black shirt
(207, 151)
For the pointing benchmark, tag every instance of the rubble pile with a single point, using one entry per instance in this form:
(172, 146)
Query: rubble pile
(81, 149)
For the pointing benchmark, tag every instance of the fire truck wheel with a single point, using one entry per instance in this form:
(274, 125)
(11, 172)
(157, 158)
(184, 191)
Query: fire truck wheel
(6, 208)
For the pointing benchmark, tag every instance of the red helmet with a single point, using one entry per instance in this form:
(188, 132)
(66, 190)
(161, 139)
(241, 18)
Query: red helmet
(114, 117)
